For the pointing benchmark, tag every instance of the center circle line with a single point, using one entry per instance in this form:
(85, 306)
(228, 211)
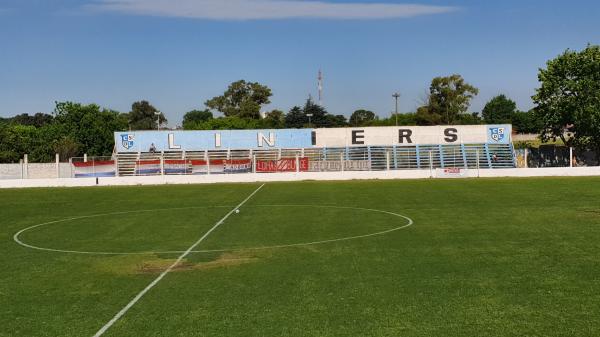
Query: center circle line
(16, 238)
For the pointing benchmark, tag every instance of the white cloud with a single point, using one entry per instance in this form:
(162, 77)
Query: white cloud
(266, 9)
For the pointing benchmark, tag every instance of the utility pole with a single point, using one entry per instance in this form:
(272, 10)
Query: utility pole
(320, 87)
(397, 97)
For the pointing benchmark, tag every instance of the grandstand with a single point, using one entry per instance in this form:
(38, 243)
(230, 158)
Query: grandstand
(305, 150)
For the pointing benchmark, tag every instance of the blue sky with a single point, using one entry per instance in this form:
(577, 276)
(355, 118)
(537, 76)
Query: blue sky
(179, 53)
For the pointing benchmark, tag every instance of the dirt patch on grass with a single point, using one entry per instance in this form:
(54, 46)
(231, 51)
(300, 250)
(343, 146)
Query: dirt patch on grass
(592, 211)
(223, 261)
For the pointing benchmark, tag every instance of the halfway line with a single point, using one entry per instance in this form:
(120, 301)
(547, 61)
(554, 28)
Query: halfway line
(164, 273)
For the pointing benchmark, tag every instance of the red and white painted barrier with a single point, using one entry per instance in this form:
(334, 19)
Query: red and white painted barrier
(104, 168)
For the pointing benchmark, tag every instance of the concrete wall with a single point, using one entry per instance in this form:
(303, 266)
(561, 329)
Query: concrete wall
(36, 171)
(272, 177)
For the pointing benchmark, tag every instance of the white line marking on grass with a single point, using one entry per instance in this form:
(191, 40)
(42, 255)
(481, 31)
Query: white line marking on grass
(18, 240)
(164, 273)
(410, 223)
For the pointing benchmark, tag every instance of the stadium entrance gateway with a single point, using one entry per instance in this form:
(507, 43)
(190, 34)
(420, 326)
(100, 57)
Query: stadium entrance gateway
(294, 150)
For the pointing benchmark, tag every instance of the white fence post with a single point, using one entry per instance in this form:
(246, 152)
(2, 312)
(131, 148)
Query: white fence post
(85, 157)
(25, 167)
(387, 160)
(57, 166)
(21, 163)
(116, 158)
(207, 160)
(430, 164)
(477, 154)
(254, 164)
(297, 163)
(526, 157)
(342, 168)
(162, 163)
(571, 156)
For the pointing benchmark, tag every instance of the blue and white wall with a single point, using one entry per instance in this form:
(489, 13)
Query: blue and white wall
(143, 141)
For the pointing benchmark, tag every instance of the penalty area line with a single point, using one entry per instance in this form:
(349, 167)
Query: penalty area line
(170, 268)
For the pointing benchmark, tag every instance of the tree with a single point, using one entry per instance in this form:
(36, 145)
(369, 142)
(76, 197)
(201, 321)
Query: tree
(17, 140)
(424, 116)
(242, 99)
(361, 118)
(66, 147)
(526, 122)
(499, 110)
(143, 116)
(468, 119)
(318, 113)
(37, 120)
(335, 121)
(448, 97)
(194, 117)
(274, 120)
(569, 98)
(295, 119)
(227, 123)
(90, 126)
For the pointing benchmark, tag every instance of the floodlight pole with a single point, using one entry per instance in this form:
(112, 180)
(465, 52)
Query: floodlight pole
(309, 120)
(157, 113)
(397, 97)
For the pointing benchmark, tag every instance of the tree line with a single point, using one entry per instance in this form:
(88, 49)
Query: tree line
(567, 107)
(448, 101)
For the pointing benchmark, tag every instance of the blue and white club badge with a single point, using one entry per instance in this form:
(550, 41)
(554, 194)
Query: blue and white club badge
(497, 134)
(127, 141)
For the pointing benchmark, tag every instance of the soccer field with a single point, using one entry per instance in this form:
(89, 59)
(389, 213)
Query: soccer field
(488, 257)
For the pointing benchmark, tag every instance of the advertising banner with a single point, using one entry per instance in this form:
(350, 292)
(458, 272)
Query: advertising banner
(282, 165)
(222, 166)
(174, 167)
(336, 165)
(451, 172)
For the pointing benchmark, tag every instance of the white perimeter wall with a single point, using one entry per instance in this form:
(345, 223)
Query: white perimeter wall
(273, 177)
(36, 171)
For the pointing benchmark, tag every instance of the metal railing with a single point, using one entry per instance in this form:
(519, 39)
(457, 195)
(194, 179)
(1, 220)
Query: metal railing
(368, 158)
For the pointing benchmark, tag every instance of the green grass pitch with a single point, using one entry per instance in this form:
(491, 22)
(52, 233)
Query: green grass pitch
(488, 257)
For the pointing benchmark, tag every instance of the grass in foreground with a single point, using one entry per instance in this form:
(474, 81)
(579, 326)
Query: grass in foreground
(501, 257)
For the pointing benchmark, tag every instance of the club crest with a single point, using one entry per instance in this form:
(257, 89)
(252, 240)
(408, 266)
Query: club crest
(497, 134)
(127, 141)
